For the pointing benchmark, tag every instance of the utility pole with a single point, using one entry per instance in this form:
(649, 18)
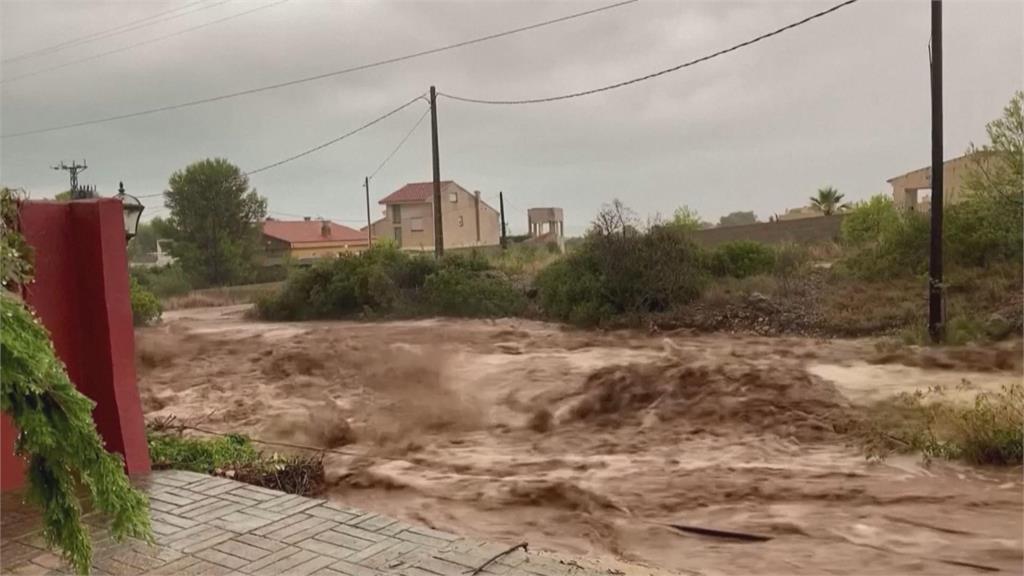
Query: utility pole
(73, 171)
(936, 318)
(501, 205)
(438, 230)
(369, 225)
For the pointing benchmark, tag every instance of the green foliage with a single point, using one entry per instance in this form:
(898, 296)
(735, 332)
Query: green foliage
(59, 438)
(15, 253)
(998, 167)
(742, 258)
(612, 274)
(570, 290)
(988, 431)
(386, 281)
(982, 229)
(882, 241)
(204, 455)
(454, 291)
(828, 201)
(164, 282)
(235, 456)
(687, 219)
(738, 219)
(146, 308)
(216, 221)
(146, 237)
(867, 221)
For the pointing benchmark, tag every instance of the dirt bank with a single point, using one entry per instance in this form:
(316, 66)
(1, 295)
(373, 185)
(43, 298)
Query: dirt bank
(593, 443)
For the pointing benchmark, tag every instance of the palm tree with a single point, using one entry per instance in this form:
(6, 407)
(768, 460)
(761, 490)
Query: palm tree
(828, 201)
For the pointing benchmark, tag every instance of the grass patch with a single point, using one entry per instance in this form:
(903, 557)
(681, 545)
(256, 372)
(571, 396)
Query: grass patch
(234, 456)
(989, 431)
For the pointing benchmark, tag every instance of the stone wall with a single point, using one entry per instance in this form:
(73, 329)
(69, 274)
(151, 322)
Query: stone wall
(803, 231)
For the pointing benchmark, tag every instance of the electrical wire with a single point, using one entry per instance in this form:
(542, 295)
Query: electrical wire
(142, 43)
(658, 73)
(406, 137)
(316, 77)
(95, 35)
(334, 140)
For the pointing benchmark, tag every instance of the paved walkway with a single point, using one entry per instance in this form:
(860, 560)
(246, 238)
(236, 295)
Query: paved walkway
(215, 526)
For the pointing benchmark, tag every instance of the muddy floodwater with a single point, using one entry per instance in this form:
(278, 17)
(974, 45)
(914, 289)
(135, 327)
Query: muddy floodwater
(593, 444)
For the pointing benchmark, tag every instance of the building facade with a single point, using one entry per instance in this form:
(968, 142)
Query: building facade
(907, 188)
(408, 219)
(308, 240)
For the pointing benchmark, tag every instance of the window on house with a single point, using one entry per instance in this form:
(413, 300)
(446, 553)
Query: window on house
(416, 224)
(460, 222)
(396, 214)
(398, 236)
(453, 196)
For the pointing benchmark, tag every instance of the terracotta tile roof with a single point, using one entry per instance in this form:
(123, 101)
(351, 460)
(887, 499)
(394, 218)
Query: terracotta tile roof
(413, 192)
(301, 231)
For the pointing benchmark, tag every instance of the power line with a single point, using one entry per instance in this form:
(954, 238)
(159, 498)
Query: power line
(142, 43)
(406, 137)
(660, 72)
(334, 140)
(95, 35)
(324, 75)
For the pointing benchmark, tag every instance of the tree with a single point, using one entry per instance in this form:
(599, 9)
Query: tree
(986, 226)
(614, 218)
(828, 201)
(146, 237)
(998, 167)
(216, 221)
(687, 219)
(737, 219)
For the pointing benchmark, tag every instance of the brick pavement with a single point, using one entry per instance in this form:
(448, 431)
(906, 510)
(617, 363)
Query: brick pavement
(214, 526)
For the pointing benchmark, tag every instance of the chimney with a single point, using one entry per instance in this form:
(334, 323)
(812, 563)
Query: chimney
(476, 197)
(306, 218)
(325, 228)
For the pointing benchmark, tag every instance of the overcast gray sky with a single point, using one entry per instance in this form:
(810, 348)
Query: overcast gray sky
(842, 101)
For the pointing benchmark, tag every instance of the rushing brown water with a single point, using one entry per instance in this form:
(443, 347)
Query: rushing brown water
(594, 443)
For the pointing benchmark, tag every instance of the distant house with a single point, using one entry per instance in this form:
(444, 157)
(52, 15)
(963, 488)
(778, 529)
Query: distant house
(906, 188)
(408, 218)
(308, 240)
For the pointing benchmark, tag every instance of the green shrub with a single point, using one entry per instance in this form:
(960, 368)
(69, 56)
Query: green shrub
(146, 308)
(570, 290)
(199, 454)
(235, 456)
(742, 258)
(867, 221)
(386, 281)
(899, 246)
(454, 291)
(984, 229)
(622, 274)
(164, 282)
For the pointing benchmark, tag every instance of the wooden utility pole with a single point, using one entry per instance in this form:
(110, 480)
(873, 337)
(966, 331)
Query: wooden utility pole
(369, 225)
(936, 319)
(438, 230)
(501, 205)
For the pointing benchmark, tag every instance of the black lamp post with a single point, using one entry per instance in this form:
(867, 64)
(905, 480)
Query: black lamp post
(132, 211)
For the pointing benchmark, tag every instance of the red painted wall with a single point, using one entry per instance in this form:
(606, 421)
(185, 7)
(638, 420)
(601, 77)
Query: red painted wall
(81, 295)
